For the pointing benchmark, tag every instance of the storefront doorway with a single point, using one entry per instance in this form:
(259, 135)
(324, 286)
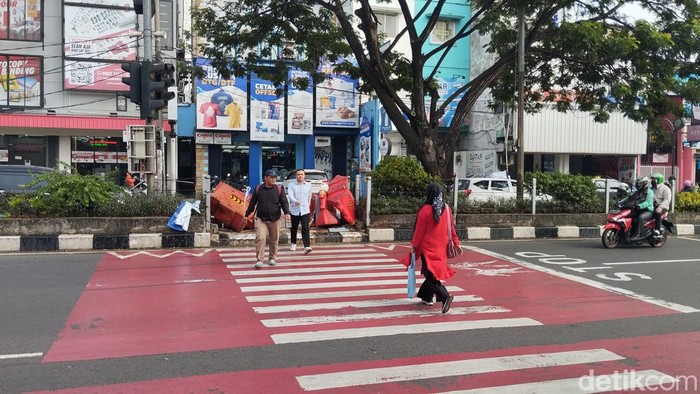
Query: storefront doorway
(280, 157)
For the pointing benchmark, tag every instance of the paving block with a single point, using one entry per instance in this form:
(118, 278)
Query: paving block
(381, 234)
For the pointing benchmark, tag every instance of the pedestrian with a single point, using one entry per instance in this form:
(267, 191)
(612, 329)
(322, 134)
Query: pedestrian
(662, 200)
(432, 232)
(129, 180)
(299, 195)
(268, 201)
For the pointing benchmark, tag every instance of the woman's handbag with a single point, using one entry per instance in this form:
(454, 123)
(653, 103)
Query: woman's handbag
(411, 286)
(451, 249)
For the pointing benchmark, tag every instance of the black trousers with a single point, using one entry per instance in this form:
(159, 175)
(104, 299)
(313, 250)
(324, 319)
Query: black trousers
(657, 218)
(642, 217)
(431, 286)
(304, 219)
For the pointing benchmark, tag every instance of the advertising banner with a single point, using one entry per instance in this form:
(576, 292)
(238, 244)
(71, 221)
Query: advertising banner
(222, 104)
(99, 33)
(365, 145)
(446, 87)
(20, 81)
(21, 20)
(300, 105)
(266, 111)
(337, 100)
(82, 75)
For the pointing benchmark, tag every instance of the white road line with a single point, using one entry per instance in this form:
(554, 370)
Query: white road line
(283, 251)
(690, 239)
(333, 294)
(310, 258)
(424, 311)
(323, 285)
(598, 285)
(325, 263)
(284, 247)
(352, 304)
(326, 335)
(249, 271)
(626, 380)
(20, 355)
(452, 368)
(390, 274)
(652, 262)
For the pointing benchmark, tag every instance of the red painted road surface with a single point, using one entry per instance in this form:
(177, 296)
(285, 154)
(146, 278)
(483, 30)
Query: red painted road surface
(149, 304)
(673, 357)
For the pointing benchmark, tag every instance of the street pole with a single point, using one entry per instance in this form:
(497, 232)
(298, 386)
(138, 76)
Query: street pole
(148, 56)
(521, 103)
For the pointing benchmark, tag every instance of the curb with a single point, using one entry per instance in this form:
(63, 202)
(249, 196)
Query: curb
(76, 242)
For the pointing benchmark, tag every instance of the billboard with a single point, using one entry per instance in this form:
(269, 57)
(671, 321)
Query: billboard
(83, 75)
(21, 81)
(222, 104)
(266, 111)
(337, 100)
(21, 20)
(300, 105)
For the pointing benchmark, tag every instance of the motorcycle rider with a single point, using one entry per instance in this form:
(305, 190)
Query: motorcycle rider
(662, 199)
(644, 198)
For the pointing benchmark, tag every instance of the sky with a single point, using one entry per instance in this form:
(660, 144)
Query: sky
(636, 12)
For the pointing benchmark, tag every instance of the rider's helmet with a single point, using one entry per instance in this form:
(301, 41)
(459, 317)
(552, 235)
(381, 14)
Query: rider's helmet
(642, 184)
(659, 178)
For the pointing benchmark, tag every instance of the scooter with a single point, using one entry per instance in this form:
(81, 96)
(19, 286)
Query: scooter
(617, 230)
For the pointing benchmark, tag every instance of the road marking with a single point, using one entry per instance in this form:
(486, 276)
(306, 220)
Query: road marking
(316, 250)
(20, 355)
(327, 335)
(452, 368)
(333, 294)
(277, 271)
(425, 312)
(652, 262)
(323, 285)
(352, 304)
(313, 259)
(389, 274)
(126, 255)
(626, 380)
(325, 263)
(598, 285)
(690, 239)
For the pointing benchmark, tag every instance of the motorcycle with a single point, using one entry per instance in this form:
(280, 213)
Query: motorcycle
(617, 230)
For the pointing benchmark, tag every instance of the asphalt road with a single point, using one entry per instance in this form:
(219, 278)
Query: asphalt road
(653, 294)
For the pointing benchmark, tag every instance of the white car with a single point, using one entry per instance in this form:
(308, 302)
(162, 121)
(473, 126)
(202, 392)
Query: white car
(613, 184)
(484, 189)
(317, 178)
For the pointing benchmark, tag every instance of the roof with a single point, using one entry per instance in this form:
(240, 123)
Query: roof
(42, 121)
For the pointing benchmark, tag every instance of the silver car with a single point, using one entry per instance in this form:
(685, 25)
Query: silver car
(317, 178)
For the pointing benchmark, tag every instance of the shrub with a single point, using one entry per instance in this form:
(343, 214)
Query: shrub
(401, 175)
(565, 188)
(687, 202)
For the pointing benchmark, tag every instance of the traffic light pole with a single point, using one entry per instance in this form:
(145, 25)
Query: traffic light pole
(148, 56)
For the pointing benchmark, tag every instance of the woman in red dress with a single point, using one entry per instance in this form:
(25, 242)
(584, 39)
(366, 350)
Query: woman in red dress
(429, 242)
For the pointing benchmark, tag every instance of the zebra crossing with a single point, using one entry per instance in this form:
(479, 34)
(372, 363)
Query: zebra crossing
(355, 291)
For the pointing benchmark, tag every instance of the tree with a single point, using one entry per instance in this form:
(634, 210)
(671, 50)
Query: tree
(587, 50)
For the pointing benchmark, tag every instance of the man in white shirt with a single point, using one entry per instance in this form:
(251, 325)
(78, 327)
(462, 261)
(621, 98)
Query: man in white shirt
(662, 199)
(299, 195)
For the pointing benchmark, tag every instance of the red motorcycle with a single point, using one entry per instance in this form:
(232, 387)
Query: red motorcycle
(617, 230)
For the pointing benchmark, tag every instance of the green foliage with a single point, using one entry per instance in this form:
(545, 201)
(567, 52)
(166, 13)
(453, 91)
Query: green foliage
(401, 175)
(67, 194)
(688, 202)
(125, 205)
(565, 188)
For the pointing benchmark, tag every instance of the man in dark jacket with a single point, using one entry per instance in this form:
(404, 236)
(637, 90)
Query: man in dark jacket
(269, 200)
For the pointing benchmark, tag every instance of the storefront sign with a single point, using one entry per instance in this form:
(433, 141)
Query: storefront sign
(322, 141)
(365, 146)
(693, 133)
(209, 138)
(222, 139)
(21, 81)
(202, 137)
(4, 155)
(266, 111)
(21, 20)
(337, 100)
(98, 157)
(221, 103)
(300, 105)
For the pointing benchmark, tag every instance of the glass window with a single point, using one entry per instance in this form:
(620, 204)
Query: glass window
(500, 185)
(386, 24)
(482, 185)
(444, 30)
(100, 155)
(280, 157)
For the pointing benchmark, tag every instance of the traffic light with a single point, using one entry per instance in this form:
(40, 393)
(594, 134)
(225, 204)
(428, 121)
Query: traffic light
(156, 78)
(133, 80)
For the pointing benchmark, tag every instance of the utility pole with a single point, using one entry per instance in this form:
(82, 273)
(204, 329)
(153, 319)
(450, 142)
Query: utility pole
(521, 102)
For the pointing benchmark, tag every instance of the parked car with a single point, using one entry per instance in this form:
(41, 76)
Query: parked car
(613, 184)
(14, 177)
(483, 189)
(317, 178)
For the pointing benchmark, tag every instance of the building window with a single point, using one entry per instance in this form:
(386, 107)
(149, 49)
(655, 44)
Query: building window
(386, 24)
(444, 30)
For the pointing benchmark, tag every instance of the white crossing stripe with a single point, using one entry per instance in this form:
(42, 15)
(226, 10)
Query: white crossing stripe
(389, 274)
(452, 368)
(19, 355)
(626, 380)
(313, 336)
(299, 252)
(425, 312)
(323, 285)
(352, 304)
(325, 263)
(249, 271)
(333, 294)
(311, 258)
(284, 247)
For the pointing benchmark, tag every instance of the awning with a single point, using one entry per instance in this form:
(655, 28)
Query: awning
(25, 121)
